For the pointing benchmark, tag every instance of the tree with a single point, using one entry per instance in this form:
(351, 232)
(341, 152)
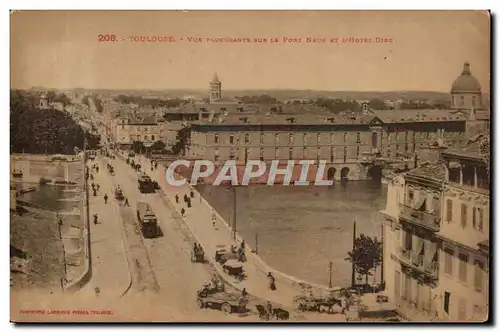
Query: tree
(366, 255)
(377, 104)
(138, 146)
(182, 141)
(43, 131)
(51, 96)
(158, 146)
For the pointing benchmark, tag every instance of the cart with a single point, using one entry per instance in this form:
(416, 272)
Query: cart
(234, 268)
(223, 254)
(226, 302)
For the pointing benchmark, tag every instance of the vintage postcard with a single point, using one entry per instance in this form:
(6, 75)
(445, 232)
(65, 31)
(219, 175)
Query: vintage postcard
(250, 166)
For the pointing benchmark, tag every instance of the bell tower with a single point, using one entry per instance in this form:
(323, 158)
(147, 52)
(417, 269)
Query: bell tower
(215, 89)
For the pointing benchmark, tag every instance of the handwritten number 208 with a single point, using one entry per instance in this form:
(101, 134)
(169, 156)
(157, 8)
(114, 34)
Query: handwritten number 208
(105, 38)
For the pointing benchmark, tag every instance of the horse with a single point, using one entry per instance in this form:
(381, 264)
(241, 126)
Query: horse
(263, 313)
(281, 314)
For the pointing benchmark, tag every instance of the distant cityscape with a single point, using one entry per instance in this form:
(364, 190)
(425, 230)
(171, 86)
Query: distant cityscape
(432, 150)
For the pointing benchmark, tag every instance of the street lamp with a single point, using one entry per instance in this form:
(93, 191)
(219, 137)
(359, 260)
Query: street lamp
(330, 265)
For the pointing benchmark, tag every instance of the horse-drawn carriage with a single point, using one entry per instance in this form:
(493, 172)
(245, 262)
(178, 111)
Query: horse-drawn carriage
(119, 193)
(223, 254)
(215, 299)
(320, 303)
(234, 268)
(197, 255)
(111, 169)
(267, 314)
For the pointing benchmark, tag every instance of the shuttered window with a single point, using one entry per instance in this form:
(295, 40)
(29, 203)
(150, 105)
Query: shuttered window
(449, 210)
(478, 274)
(463, 215)
(462, 267)
(448, 261)
(462, 309)
(397, 285)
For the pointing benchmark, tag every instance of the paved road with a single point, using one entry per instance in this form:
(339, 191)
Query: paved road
(168, 257)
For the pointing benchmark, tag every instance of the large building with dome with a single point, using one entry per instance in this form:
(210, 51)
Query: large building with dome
(467, 99)
(349, 142)
(466, 91)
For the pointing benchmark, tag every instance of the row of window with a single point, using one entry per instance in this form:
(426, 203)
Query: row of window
(138, 137)
(291, 138)
(235, 155)
(469, 175)
(462, 101)
(463, 262)
(477, 221)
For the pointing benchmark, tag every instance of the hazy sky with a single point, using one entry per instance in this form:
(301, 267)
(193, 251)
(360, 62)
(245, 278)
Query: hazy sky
(61, 50)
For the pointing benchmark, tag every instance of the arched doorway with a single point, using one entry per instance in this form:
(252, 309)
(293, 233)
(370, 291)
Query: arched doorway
(344, 173)
(331, 173)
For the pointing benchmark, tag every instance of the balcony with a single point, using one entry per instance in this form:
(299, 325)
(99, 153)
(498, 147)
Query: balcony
(418, 262)
(421, 218)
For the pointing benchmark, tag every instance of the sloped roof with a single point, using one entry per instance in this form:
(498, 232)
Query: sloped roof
(417, 115)
(433, 171)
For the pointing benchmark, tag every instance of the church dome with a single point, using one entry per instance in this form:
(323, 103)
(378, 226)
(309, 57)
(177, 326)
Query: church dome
(466, 83)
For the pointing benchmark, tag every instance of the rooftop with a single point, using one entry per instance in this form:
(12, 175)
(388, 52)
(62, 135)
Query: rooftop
(417, 115)
(289, 118)
(472, 149)
(436, 171)
(466, 82)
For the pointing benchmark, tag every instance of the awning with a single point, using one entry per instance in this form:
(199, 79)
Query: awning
(454, 164)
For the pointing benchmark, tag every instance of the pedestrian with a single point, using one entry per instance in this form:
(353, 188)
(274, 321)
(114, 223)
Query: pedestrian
(98, 187)
(97, 169)
(189, 203)
(185, 198)
(105, 198)
(272, 283)
(177, 198)
(95, 192)
(183, 212)
(244, 292)
(93, 185)
(95, 219)
(242, 245)
(191, 193)
(269, 307)
(126, 202)
(213, 223)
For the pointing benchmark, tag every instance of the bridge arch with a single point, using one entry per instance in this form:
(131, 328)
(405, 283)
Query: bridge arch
(330, 175)
(344, 173)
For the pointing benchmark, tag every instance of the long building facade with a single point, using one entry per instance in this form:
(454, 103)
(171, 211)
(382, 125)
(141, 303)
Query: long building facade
(436, 239)
(350, 143)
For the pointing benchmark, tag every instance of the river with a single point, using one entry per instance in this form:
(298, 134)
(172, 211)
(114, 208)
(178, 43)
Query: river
(300, 229)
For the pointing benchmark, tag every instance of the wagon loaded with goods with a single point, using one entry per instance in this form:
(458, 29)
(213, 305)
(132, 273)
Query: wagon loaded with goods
(320, 303)
(227, 302)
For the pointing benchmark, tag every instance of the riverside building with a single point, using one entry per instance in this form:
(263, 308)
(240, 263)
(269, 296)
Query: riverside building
(436, 238)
